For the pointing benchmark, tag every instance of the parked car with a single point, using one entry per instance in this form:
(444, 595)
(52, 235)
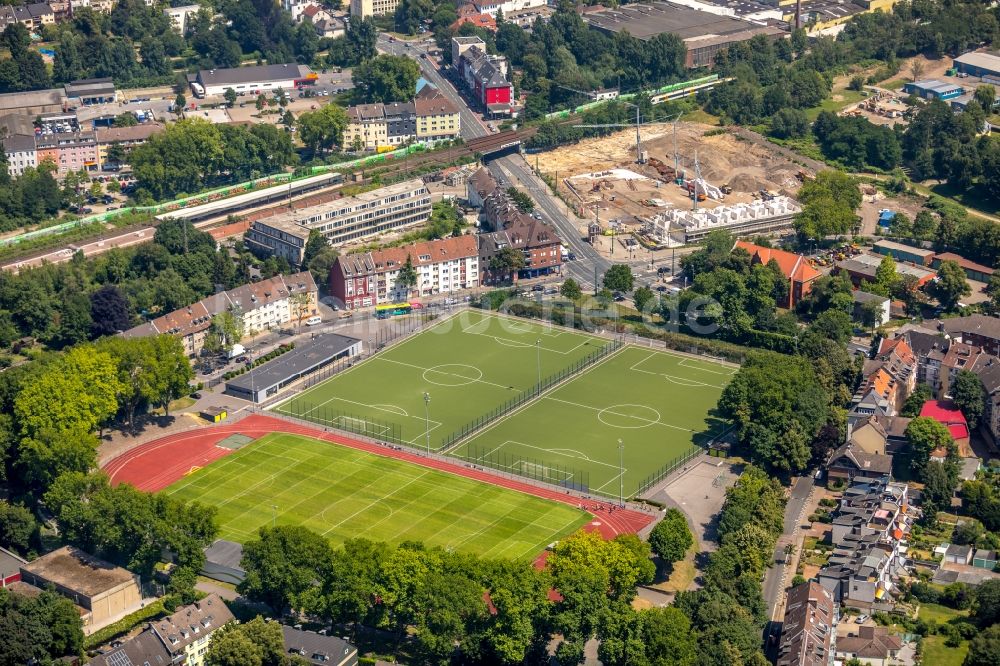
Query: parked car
(538, 287)
(861, 619)
(315, 320)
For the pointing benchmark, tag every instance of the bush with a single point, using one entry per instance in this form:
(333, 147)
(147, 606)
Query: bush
(124, 625)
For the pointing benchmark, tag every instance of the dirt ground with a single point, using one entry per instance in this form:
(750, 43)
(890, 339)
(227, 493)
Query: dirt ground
(722, 158)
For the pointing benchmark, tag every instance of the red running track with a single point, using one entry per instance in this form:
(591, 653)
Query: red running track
(157, 464)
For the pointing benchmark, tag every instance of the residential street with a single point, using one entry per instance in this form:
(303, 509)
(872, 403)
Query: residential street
(775, 579)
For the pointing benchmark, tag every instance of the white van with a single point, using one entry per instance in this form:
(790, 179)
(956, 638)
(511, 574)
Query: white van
(314, 320)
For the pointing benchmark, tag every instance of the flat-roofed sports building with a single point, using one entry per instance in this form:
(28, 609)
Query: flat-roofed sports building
(704, 33)
(255, 79)
(105, 591)
(351, 218)
(267, 380)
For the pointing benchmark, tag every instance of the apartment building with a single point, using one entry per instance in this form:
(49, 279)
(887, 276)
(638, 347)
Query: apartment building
(187, 633)
(868, 533)
(442, 266)
(429, 117)
(809, 628)
(32, 16)
(179, 16)
(366, 127)
(262, 306)
(348, 219)
(69, 151)
(437, 118)
(366, 8)
(484, 75)
(21, 153)
(182, 638)
(125, 137)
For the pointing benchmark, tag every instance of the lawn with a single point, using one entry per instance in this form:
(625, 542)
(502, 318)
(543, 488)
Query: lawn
(938, 613)
(657, 404)
(939, 654)
(844, 98)
(467, 366)
(343, 493)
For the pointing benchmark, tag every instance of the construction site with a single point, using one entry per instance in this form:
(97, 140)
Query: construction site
(684, 180)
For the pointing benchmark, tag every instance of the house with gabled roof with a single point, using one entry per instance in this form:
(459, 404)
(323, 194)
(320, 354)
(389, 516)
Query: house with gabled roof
(795, 267)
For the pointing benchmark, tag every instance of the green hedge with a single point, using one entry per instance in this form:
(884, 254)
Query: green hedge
(153, 611)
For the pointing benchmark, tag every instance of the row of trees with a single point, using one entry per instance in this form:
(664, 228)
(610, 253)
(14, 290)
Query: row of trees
(729, 611)
(192, 155)
(81, 300)
(455, 604)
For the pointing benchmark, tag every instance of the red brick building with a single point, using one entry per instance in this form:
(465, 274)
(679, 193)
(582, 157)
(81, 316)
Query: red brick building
(793, 266)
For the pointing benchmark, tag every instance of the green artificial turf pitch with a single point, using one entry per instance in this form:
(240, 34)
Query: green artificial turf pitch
(658, 403)
(343, 493)
(469, 365)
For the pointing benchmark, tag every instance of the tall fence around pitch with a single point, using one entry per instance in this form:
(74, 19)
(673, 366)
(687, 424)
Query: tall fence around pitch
(529, 468)
(669, 467)
(359, 424)
(530, 394)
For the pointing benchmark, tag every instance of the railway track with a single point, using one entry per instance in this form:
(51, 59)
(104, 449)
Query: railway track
(123, 237)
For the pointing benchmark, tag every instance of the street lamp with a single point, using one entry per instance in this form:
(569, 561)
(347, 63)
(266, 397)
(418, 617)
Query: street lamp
(621, 473)
(427, 421)
(538, 361)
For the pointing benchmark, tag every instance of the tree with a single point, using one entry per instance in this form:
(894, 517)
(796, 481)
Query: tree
(506, 264)
(76, 393)
(316, 243)
(984, 649)
(871, 313)
(51, 453)
(779, 406)
(833, 324)
(986, 96)
(619, 278)
(993, 291)
(180, 102)
(258, 641)
(109, 311)
(299, 304)
(789, 123)
(969, 395)
(230, 96)
(925, 435)
(523, 202)
(324, 128)
(671, 537)
(642, 297)
(126, 119)
(915, 401)
(571, 289)
(406, 278)
(886, 275)
(18, 527)
(950, 285)
(668, 637)
(829, 203)
(986, 609)
(38, 629)
(282, 564)
(232, 647)
(386, 78)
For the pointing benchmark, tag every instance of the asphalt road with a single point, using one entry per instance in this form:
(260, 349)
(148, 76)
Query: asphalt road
(510, 168)
(773, 581)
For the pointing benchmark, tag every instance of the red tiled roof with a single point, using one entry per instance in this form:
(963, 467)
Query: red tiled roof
(946, 413)
(793, 266)
(479, 20)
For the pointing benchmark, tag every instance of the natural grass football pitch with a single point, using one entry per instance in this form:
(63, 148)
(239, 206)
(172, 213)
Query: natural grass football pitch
(468, 365)
(658, 403)
(343, 493)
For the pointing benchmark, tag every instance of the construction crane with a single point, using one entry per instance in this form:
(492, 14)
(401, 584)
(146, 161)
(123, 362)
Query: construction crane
(638, 125)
